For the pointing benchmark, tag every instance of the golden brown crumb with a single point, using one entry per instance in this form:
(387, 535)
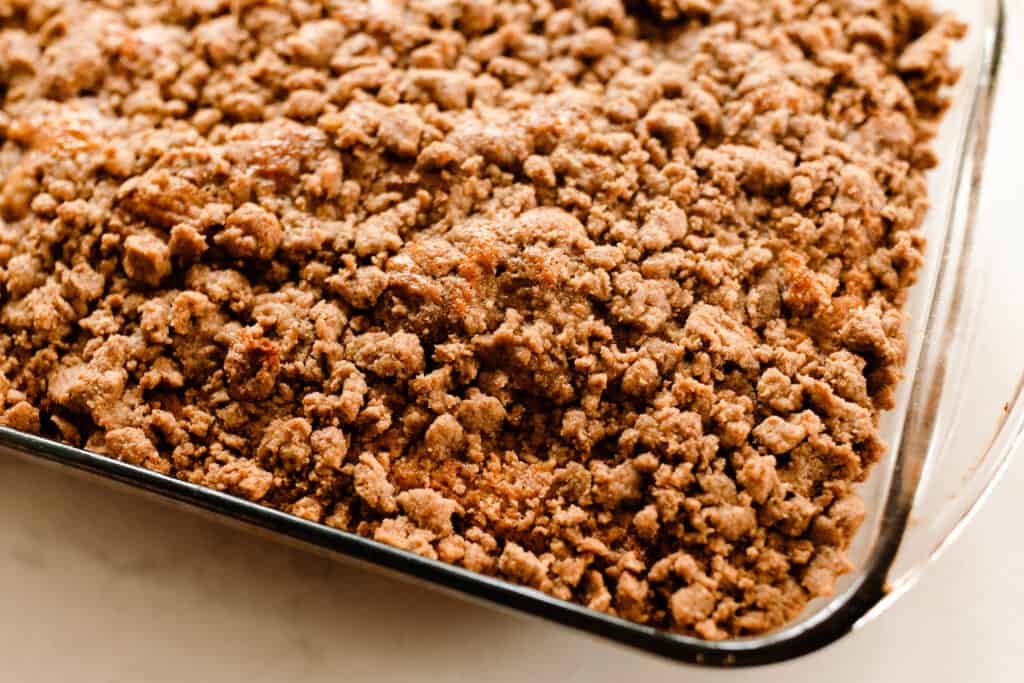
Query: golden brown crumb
(601, 297)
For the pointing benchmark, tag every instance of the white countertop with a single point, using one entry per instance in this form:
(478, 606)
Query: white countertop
(99, 585)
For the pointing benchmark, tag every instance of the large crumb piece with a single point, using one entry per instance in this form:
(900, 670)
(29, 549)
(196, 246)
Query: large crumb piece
(602, 297)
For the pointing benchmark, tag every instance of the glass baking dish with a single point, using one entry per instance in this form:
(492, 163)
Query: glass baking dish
(938, 468)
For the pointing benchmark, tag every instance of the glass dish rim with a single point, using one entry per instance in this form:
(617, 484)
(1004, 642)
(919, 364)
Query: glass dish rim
(846, 611)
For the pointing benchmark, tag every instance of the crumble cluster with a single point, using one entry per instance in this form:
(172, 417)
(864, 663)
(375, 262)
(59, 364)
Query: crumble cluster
(602, 298)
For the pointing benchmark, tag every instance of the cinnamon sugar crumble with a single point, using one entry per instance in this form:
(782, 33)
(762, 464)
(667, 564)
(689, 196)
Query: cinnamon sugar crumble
(603, 298)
